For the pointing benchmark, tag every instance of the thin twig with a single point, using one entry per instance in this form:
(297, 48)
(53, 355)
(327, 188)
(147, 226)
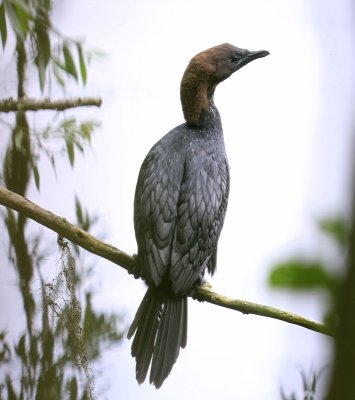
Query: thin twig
(29, 104)
(83, 239)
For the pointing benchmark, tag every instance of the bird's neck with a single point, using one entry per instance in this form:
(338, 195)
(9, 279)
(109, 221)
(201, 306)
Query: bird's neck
(197, 100)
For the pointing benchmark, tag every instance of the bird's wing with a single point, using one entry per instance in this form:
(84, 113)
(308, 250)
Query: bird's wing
(179, 214)
(156, 198)
(200, 215)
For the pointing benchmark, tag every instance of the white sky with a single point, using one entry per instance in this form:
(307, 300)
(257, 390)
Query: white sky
(287, 120)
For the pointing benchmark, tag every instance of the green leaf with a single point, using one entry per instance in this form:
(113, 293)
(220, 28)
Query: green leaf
(3, 26)
(58, 63)
(337, 229)
(79, 211)
(82, 63)
(79, 145)
(314, 383)
(14, 21)
(43, 40)
(68, 123)
(41, 72)
(36, 176)
(34, 356)
(19, 140)
(86, 395)
(86, 129)
(11, 223)
(43, 48)
(11, 394)
(21, 348)
(24, 7)
(70, 148)
(24, 15)
(52, 160)
(73, 389)
(48, 346)
(19, 15)
(69, 61)
(299, 274)
(5, 351)
(58, 76)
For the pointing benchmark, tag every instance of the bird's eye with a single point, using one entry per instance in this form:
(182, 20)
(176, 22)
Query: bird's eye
(234, 58)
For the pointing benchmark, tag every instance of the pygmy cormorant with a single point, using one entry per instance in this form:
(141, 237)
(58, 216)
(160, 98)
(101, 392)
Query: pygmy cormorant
(179, 208)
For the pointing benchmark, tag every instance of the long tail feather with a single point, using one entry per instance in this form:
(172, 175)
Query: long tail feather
(160, 329)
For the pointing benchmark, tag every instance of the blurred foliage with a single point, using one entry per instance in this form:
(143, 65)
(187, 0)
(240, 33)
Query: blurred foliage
(67, 340)
(56, 57)
(309, 386)
(64, 334)
(301, 274)
(53, 53)
(69, 134)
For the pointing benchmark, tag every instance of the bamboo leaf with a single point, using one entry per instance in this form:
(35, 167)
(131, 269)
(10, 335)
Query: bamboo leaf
(18, 140)
(52, 160)
(21, 348)
(43, 49)
(58, 63)
(36, 176)
(41, 72)
(57, 74)
(11, 394)
(24, 15)
(69, 61)
(3, 26)
(68, 123)
(11, 223)
(24, 7)
(70, 148)
(86, 129)
(14, 21)
(79, 211)
(34, 355)
(48, 347)
(79, 146)
(73, 389)
(82, 64)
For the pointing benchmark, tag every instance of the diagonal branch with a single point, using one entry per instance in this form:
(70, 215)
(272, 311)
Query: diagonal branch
(66, 229)
(29, 104)
(83, 239)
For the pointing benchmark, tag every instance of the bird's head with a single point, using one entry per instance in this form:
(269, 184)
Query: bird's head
(206, 70)
(223, 60)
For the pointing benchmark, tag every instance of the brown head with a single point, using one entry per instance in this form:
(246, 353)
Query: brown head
(205, 71)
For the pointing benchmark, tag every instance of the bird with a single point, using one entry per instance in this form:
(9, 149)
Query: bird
(179, 208)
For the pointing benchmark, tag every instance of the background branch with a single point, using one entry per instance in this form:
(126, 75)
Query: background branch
(30, 104)
(83, 239)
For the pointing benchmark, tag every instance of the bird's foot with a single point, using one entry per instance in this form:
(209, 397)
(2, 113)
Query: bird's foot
(205, 284)
(136, 270)
(200, 284)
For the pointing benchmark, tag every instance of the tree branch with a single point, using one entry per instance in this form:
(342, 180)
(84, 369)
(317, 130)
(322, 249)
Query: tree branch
(29, 104)
(204, 293)
(83, 239)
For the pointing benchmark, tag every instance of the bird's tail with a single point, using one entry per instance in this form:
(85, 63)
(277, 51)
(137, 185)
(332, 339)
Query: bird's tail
(160, 328)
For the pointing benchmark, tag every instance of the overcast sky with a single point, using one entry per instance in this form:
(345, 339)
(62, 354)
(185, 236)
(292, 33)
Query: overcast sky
(287, 121)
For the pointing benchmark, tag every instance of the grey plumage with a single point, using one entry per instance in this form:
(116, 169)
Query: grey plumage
(180, 204)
